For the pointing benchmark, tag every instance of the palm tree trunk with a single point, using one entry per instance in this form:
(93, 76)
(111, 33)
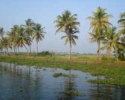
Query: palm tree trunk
(14, 49)
(18, 49)
(30, 48)
(117, 56)
(26, 49)
(37, 46)
(70, 50)
(99, 53)
(7, 51)
(108, 53)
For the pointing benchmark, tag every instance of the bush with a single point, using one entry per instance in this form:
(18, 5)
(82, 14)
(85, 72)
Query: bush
(45, 53)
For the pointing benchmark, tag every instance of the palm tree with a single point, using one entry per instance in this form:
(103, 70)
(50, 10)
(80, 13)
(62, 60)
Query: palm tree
(4, 44)
(22, 39)
(72, 40)
(121, 21)
(1, 32)
(38, 33)
(12, 35)
(29, 30)
(111, 41)
(97, 37)
(99, 20)
(67, 23)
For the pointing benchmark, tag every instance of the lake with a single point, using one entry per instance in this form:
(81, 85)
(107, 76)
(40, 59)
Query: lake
(19, 82)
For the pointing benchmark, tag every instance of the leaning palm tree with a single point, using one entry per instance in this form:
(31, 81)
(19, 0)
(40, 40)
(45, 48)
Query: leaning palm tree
(38, 33)
(67, 23)
(111, 41)
(99, 20)
(1, 32)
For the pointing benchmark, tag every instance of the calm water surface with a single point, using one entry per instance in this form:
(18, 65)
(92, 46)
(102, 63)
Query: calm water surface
(32, 83)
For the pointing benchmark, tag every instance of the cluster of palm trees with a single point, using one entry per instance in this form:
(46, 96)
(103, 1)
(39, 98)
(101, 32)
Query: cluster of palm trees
(102, 32)
(21, 36)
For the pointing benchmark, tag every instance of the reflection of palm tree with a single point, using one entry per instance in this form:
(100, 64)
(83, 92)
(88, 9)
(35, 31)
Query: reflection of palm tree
(69, 85)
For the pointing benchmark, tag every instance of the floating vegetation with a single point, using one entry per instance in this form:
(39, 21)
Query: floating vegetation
(74, 92)
(60, 75)
(63, 75)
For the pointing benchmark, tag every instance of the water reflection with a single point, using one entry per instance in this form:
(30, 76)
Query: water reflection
(32, 83)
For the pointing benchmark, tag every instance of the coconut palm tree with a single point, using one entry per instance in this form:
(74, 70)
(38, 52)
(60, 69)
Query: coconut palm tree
(22, 39)
(99, 20)
(67, 23)
(1, 32)
(12, 35)
(72, 39)
(97, 37)
(4, 44)
(111, 41)
(38, 33)
(121, 21)
(29, 30)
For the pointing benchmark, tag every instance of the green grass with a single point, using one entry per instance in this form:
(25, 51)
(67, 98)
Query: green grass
(111, 69)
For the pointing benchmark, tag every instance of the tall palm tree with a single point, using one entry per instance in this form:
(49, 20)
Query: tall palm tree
(1, 32)
(29, 30)
(99, 20)
(111, 41)
(38, 33)
(67, 23)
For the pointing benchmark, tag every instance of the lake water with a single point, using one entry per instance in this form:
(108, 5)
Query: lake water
(32, 83)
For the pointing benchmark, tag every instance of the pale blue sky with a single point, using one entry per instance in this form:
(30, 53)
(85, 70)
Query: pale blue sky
(45, 12)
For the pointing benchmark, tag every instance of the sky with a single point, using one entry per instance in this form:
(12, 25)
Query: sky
(15, 12)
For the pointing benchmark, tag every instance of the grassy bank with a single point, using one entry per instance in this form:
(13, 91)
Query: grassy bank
(112, 70)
